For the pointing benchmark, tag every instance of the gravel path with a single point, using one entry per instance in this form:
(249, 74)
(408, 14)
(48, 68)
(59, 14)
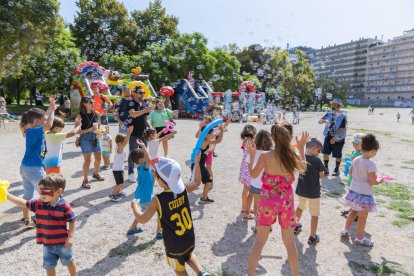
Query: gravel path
(223, 239)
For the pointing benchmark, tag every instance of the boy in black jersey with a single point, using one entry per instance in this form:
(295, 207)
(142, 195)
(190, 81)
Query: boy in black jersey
(173, 210)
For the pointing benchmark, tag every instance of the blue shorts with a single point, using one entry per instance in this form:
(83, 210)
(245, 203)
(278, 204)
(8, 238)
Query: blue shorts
(31, 178)
(89, 143)
(52, 254)
(254, 190)
(106, 153)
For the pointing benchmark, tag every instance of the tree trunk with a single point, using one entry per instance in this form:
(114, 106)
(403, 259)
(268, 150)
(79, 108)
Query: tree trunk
(32, 93)
(17, 92)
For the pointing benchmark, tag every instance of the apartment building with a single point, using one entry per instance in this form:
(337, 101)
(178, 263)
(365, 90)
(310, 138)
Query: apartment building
(390, 72)
(344, 63)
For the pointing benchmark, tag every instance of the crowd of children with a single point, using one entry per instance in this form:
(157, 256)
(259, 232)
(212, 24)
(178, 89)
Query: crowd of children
(269, 166)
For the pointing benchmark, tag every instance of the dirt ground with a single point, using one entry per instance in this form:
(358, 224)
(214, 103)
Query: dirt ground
(223, 239)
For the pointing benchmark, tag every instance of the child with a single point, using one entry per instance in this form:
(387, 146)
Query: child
(34, 123)
(145, 186)
(309, 188)
(53, 214)
(121, 141)
(248, 134)
(151, 136)
(398, 117)
(359, 196)
(263, 143)
(205, 175)
(210, 154)
(357, 151)
(54, 143)
(173, 208)
(277, 201)
(106, 147)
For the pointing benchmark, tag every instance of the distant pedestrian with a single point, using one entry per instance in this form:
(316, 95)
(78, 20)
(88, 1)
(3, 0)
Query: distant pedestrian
(398, 117)
(412, 116)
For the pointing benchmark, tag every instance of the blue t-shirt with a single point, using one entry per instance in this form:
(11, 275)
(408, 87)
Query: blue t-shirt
(145, 184)
(35, 147)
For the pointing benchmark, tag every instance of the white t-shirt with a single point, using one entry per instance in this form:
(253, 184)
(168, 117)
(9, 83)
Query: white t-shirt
(256, 182)
(119, 159)
(54, 147)
(153, 148)
(361, 167)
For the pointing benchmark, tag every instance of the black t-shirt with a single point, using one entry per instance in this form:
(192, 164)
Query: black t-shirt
(176, 223)
(139, 123)
(309, 185)
(87, 119)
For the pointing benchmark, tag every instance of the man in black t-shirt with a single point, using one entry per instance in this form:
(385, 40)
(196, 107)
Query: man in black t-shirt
(309, 188)
(122, 107)
(139, 114)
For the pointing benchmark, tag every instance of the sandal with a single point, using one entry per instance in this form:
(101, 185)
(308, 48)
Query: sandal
(86, 185)
(98, 177)
(29, 223)
(249, 216)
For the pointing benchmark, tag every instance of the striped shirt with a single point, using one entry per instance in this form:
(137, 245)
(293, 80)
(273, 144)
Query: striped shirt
(51, 221)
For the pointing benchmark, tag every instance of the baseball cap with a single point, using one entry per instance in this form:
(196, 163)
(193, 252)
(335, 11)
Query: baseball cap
(357, 138)
(338, 101)
(170, 171)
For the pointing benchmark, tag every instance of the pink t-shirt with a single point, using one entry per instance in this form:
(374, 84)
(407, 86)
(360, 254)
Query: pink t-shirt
(361, 167)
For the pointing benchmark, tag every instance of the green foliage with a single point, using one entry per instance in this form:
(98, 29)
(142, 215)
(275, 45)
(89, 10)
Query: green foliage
(226, 73)
(25, 27)
(155, 26)
(103, 26)
(337, 90)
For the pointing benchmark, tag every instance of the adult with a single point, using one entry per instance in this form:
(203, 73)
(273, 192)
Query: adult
(101, 105)
(157, 118)
(412, 116)
(335, 133)
(89, 120)
(121, 110)
(139, 114)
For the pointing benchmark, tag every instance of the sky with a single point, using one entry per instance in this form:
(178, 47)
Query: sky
(313, 23)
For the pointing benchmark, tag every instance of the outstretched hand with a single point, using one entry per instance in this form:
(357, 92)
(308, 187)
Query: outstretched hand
(52, 102)
(130, 129)
(250, 147)
(140, 143)
(303, 140)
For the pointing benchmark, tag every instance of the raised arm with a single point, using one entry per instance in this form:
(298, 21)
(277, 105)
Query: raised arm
(259, 166)
(147, 157)
(50, 112)
(149, 212)
(126, 140)
(219, 138)
(195, 183)
(21, 202)
(134, 113)
(200, 126)
(301, 148)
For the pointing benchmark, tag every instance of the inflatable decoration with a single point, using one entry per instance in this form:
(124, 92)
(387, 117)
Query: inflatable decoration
(134, 84)
(348, 164)
(169, 127)
(4, 185)
(384, 178)
(100, 85)
(202, 137)
(167, 92)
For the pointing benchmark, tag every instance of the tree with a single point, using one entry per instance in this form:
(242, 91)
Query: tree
(25, 27)
(50, 70)
(337, 90)
(155, 26)
(103, 26)
(226, 71)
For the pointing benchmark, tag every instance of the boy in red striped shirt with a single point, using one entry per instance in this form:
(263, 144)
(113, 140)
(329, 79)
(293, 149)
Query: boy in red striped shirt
(53, 214)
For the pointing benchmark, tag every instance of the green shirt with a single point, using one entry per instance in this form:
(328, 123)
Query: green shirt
(354, 154)
(157, 118)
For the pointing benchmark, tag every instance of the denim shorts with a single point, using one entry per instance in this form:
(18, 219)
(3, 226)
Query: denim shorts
(52, 253)
(31, 178)
(254, 190)
(89, 143)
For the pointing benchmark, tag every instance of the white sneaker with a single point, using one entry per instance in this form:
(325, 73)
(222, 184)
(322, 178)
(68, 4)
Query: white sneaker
(131, 178)
(364, 242)
(344, 232)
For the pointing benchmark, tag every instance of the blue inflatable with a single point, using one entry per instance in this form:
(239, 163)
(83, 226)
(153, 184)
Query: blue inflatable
(348, 164)
(202, 137)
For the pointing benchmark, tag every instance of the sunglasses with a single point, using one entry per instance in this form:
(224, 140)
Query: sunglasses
(141, 93)
(47, 192)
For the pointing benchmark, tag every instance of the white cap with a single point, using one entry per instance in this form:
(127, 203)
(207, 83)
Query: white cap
(170, 171)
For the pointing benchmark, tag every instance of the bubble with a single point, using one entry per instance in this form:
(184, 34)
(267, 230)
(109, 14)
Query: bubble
(96, 20)
(11, 3)
(9, 56)
(260, 72)
(23, 26)
(93, 5)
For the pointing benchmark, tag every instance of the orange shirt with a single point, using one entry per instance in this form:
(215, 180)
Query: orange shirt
(98, 103)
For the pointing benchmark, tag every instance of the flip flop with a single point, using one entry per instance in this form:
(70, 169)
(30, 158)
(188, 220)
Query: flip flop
(98, 177)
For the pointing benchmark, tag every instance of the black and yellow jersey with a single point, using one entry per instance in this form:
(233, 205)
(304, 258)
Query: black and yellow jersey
(176, 222)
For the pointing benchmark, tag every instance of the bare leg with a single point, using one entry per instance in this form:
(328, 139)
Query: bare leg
(298, 213)
(350, 218)
(86, 164)
(184, 273)
(259, 243)
(210, 170)
(248, 204)
(256, 198)
(314, 225)
(244, 197)
(134, 224)
(207, 188)
(72, 268)
(289, 241)
(51, 272)
(165, 147)
(97, 162)
(194, 263)
(117, 189)
(362, 220)
(107, 161)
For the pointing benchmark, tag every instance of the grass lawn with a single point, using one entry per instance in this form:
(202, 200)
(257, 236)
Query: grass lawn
(19, 109)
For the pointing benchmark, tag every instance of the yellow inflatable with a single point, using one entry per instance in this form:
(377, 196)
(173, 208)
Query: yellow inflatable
(4, 185)
(133, 84)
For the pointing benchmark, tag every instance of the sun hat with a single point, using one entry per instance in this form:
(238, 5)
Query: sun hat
(357, 138)
(170, 171)
(338, 101)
